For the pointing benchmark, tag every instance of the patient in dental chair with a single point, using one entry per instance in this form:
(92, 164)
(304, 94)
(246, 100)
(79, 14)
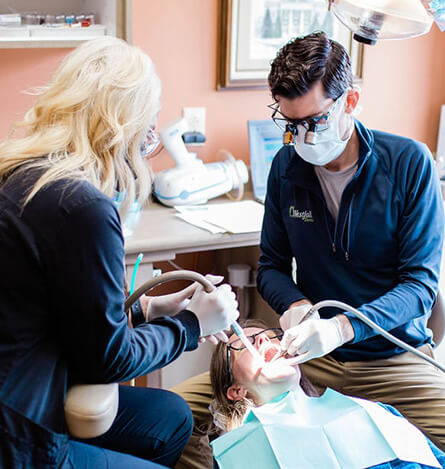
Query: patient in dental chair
(271, 416)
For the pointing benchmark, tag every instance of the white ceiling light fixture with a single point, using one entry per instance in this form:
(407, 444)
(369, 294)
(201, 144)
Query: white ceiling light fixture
(370, 20)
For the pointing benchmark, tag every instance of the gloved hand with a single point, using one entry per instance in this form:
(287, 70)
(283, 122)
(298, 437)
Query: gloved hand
(172, 303)
(312, 339)
(215, 310)
(293, 316)
(215, 338)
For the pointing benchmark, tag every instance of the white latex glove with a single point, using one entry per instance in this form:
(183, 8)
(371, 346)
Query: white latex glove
(172, 303)
(312, 339)
(215, 310)
(293, 316)
(214, 339)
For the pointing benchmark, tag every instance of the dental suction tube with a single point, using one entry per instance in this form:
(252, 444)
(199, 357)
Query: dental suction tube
(377, 328)
(168, 277)
(194, 277)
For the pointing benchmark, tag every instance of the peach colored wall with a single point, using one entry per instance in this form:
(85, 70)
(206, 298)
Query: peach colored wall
(23, 69)
(402, 86)
(181, 38)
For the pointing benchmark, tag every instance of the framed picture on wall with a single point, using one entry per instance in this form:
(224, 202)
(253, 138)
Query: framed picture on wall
(252, 31)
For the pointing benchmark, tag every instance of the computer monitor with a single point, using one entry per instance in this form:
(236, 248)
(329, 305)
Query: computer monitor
(265, 139)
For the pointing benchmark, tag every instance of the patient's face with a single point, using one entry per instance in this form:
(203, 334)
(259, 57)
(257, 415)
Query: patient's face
(262, 381)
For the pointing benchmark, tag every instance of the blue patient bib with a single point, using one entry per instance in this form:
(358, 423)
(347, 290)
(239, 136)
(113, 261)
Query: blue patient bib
(330, 432)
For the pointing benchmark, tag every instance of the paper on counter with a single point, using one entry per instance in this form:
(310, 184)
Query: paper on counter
(236, 217)
(187, 209)
(196, 220)
(245, 216)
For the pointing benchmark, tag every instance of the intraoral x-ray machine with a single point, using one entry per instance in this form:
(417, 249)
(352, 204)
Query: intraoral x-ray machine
(191, 181)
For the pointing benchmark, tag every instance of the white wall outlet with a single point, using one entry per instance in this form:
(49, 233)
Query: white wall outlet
(196, 119)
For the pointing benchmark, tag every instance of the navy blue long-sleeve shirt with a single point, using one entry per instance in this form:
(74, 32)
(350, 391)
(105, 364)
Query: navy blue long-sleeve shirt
(62, 297)
(382, 255)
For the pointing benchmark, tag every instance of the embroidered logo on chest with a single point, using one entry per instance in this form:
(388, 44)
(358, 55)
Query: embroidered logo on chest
(305, 215)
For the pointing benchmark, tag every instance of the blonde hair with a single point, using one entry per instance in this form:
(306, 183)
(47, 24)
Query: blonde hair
(90, 120)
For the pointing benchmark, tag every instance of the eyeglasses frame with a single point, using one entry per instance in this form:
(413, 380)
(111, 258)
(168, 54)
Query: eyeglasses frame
(252, 336)
(291, 125)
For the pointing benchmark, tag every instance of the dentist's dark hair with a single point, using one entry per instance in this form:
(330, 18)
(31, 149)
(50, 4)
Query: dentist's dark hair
(304, 61)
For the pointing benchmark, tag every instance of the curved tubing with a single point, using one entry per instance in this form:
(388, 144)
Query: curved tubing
(208, 286)
(377, 328)
(186, 275)
(168, 277)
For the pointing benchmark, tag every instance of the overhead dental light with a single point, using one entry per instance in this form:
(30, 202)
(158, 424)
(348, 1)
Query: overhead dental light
(370, 20)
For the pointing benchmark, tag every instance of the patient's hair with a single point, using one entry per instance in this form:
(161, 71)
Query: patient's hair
(227, 414)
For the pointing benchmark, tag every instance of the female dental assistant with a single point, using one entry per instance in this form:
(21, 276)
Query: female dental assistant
(62, 270)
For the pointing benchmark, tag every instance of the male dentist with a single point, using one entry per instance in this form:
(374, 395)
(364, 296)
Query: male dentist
(362, 214)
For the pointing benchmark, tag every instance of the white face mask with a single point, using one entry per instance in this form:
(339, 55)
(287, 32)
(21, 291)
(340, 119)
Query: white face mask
(329, 145)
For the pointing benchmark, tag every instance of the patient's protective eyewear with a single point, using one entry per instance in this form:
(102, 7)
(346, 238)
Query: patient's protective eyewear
(272, 333)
